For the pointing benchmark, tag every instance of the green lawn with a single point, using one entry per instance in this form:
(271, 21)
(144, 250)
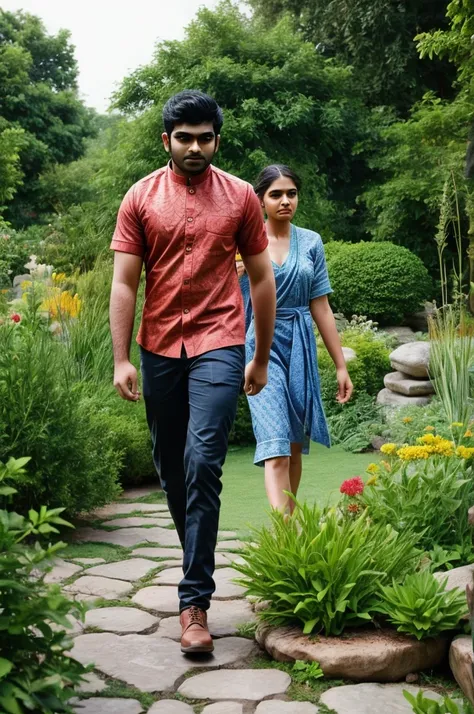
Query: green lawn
(244, 500)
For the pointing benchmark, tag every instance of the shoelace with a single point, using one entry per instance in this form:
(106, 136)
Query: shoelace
(196, 616)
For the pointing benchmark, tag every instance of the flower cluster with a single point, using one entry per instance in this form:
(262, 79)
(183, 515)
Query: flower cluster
(352, 486)
(61, 303)
(465, 452)
(389, 449)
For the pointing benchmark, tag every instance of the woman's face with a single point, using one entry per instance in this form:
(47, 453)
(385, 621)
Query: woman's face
(280, 200)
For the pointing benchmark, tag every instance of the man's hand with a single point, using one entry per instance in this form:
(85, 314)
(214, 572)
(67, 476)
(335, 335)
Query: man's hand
(256, 376)
(344, 386)
(126, 381)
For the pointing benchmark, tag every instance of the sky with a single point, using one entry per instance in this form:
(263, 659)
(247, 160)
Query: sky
(111, 37)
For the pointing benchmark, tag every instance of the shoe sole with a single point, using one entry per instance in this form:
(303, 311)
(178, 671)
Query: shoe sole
(197, 649)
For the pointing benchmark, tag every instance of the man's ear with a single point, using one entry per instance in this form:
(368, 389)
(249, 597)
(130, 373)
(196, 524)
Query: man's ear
(218, 143)
(166, 142)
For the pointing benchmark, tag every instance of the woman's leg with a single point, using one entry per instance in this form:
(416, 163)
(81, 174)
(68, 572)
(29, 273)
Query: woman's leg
(277, 480)
(296, 468)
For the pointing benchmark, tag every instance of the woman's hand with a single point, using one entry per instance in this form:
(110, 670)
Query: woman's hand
(240, 268)
(344, 386)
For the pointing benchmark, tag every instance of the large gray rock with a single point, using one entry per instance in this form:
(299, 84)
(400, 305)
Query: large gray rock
(273, 706)
(458, 577)
(153, 664)
(418, 321)
(223, 577)
(170, 706)
(404, 384)
(224, 618)
(253, 684)
(371, 698)
(128, 537)
(120, 619)
(412, 358)
(105, 588)
(461, 661)
(131, 570)
(363, 655)
(402, 335)
(101, 705)
(387, 398)
(159, 599)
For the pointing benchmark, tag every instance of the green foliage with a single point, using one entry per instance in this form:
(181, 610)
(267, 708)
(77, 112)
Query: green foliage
(405, 425)
(35, 672)
(14, 253)
(324, 570)
(426, 705)
(306, 672)
(421, 606)
(430, 498)
(242, 431)
(380, 280)
(352, 425)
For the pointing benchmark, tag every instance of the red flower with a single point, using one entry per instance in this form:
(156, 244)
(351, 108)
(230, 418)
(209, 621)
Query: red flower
(352, 486)
(353, 508)
(15, 317)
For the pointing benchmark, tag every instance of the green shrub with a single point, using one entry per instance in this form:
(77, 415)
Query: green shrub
(426, 705)
(36, 675)
(421, 606)
(14, 253)
(381, 280)
(352, 425)
(242, 431)
(324, 570)
(75, 461)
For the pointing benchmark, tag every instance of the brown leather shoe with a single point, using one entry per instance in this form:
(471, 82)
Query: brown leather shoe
(195, 636)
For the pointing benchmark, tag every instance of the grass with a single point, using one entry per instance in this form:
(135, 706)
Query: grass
(244, 501)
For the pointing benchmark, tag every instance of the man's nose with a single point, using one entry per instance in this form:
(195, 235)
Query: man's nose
(195, 148)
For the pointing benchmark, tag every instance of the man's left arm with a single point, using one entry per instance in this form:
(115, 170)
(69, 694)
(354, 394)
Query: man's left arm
(263, 295)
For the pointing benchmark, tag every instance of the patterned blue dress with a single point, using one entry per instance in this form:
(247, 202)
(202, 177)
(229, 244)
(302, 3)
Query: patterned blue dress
(289, 409)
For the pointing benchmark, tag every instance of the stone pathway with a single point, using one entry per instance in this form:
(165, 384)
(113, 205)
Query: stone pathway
(131, 631)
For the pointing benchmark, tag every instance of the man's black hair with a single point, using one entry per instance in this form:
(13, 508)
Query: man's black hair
(192, 107)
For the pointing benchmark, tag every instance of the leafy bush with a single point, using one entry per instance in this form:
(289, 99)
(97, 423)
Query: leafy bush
(425, 705)
(421, 606)
(242, 431)
(14, 253)
(324, 570)
(36, 675)
(352, 425)
(381, 280)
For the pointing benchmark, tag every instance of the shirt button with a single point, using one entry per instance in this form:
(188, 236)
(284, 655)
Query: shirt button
(186, 282)
(190, 220)
(191, 190)
(188, 249)
(185, 310)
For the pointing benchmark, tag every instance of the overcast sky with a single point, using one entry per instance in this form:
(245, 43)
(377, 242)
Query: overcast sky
(111, 37)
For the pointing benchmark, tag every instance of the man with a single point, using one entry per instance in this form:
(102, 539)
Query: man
(186, 221)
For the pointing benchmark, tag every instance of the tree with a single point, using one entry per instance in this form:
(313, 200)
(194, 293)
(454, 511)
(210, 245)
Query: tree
(376, 37)
(42, 120)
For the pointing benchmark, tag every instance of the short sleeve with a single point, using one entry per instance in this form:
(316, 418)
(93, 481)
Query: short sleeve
(252, 236)
(128, 235)
(320, 285)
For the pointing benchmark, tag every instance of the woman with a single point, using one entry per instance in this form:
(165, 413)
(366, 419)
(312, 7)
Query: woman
(288, 412)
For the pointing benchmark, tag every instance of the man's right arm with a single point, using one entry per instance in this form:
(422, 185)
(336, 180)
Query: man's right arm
(127, 271)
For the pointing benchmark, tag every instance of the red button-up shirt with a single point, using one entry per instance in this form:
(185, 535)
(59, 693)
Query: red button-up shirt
(188, 232)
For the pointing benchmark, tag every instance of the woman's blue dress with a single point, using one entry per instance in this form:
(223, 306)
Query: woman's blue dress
(289, 409)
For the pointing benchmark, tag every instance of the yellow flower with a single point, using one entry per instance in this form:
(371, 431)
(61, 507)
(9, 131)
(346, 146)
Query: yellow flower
(468, 434)
(437, 444)
(465, 452)
(428, 439)
(430, 428)
(388, 449)
(414, 453)
(386, 465)
(26, 284)
(457, 424)
(58, 277)
(371, 481)
(407, 420)
(373, 469)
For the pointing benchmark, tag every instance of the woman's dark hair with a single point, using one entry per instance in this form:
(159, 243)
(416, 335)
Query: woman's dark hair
(192, 107)
(271, 174)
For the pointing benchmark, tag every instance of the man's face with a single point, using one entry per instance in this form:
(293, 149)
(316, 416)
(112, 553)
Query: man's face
(192, 147)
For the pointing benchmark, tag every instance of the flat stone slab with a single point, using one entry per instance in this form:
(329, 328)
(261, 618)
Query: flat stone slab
(362, 655)
(158, 599)
(99, 587)
(224, 708)
(151, 552)
(223, 578)
(120, 619)
(92, 684)
(128, 537)
(410, 387)
(256, 684)
(153, 664)
(139, 521)
(372, 698)
(170, 706)
(89, 561)
(226, 535)
(101, 705)
(230, 545)
(62, 570)
(140, 491)
(387, 398)
(115, 509)
(130, 570)
(273, 706)
(224, 618)
(412, 358)
(461, 661)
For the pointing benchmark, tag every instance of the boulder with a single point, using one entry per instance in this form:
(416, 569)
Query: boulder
(412, 358)
(461, 661)
(402, 335)
(362, 655)
(418, 321)
(349, 354)
(404, 384)
(387, 398)
(373, 698)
